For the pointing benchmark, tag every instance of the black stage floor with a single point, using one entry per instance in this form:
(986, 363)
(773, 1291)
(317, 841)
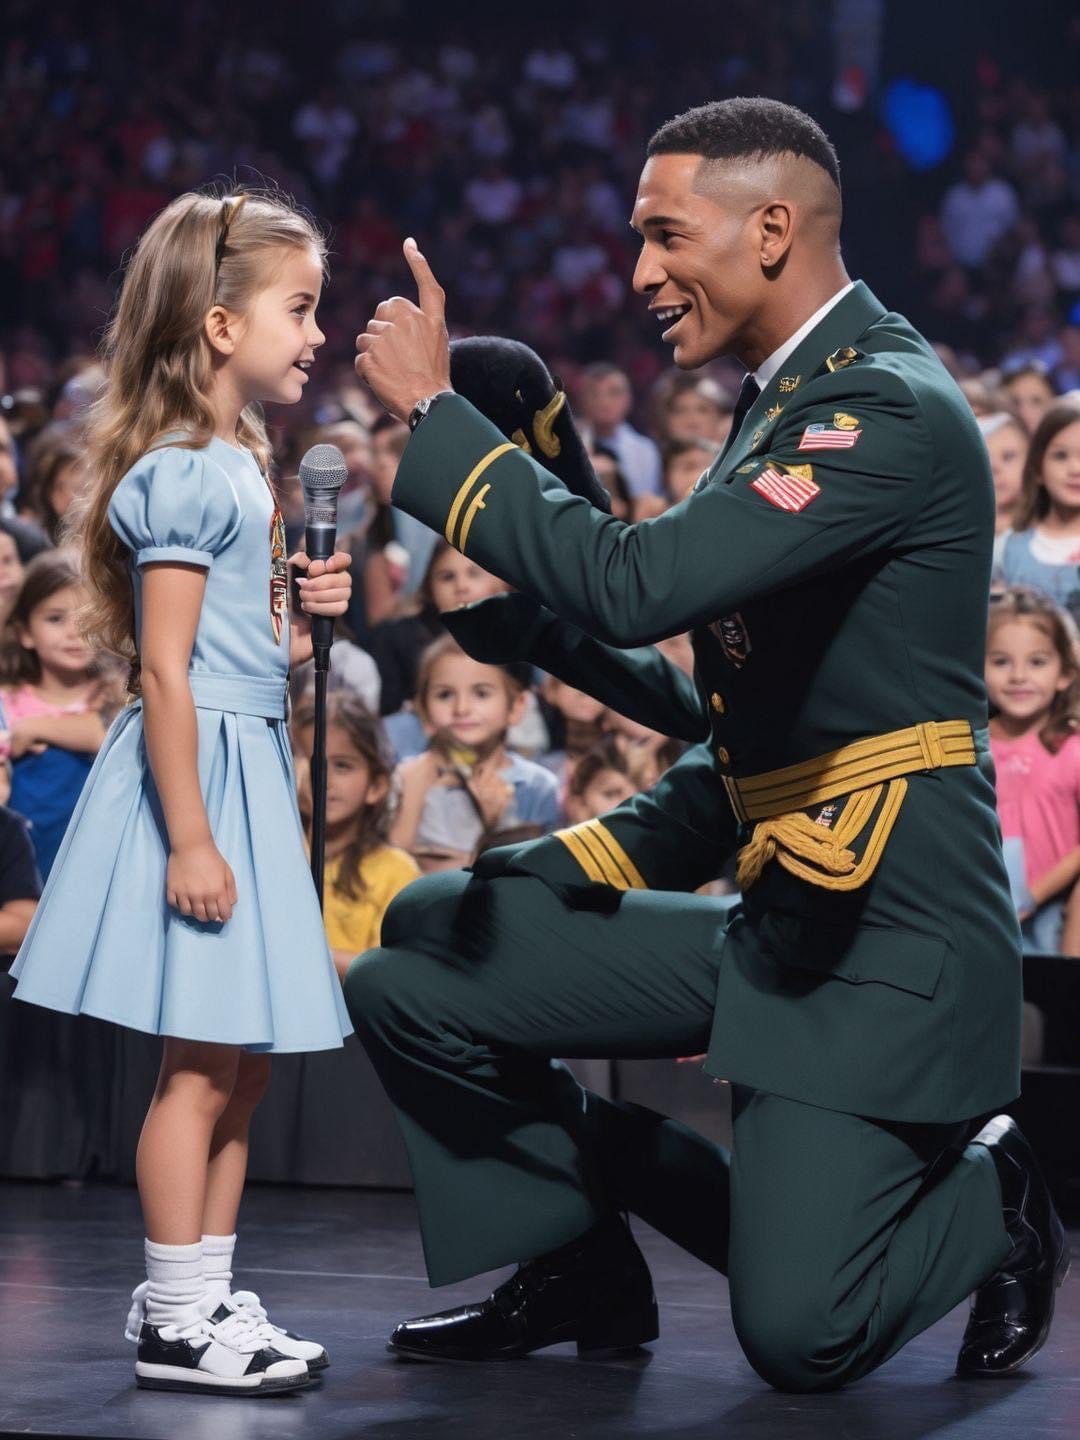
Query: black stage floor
(343, 1266)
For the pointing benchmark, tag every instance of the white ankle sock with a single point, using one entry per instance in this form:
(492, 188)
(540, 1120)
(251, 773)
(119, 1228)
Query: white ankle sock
(175, 1276)
(217, 1253)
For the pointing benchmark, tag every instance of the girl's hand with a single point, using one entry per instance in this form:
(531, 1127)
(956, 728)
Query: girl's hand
(24, 739)
(325, 588)
(325, 585)
(199, 882)
(491, 792)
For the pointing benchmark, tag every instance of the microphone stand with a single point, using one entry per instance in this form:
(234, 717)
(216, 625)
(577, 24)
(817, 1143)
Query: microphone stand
(318, 772)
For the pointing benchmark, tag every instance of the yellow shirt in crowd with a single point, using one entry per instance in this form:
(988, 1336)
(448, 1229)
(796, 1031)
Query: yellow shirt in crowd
(355, 924)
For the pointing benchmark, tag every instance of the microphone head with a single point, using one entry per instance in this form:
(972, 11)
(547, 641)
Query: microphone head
(322, 473)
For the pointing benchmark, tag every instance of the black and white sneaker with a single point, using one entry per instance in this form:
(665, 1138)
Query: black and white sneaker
(297, 1347)
(226, 1353)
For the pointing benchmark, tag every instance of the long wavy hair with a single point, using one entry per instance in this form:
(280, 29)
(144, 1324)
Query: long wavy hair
(207, 248)
(1034, 502)
(1020, 602)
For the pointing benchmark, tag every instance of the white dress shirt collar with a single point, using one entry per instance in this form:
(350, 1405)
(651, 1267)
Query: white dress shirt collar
(768, 368)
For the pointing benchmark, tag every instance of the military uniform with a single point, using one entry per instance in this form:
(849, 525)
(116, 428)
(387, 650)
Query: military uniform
(864, 999)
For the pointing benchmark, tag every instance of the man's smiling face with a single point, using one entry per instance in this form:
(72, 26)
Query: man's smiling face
(700, 260)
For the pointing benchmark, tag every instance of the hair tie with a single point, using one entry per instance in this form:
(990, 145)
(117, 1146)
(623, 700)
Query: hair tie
(230, 208)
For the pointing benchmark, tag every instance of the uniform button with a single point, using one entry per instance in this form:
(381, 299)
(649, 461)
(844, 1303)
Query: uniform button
(717, 702)
(723, 756)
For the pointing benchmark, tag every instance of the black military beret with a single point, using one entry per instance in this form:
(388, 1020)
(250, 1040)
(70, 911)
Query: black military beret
(512, 386)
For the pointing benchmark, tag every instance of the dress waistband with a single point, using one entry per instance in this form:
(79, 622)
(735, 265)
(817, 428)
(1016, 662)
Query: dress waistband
(239, 694)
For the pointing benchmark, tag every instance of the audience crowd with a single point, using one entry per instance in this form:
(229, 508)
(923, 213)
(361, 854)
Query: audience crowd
(516, 165)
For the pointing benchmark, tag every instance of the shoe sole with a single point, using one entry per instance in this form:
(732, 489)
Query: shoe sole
(215, 1385)
(1060, 1276)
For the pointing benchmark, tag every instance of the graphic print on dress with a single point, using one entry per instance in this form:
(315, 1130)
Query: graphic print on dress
(279, 574)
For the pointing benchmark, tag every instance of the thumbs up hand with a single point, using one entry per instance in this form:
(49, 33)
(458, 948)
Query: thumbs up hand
(404, 354)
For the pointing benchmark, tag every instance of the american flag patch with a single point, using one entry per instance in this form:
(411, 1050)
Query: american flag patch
(786, 492)
(828, 437)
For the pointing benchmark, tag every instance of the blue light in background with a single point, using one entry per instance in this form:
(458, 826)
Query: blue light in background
(920, 121)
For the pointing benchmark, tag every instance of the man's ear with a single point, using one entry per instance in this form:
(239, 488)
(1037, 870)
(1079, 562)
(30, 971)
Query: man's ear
(777, 229)
(222, 329)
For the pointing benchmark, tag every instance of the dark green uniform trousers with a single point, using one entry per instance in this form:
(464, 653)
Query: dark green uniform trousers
(842, 1236)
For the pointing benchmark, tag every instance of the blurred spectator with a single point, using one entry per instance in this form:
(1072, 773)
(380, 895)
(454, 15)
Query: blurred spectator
(54, 473)
(1034, 689)
(613, 480)
(11, 571)
(467, 781)
(354, 500)
(690, 407)
(1043, 550)
(451, 581)
(20, 882)
(379, 567)
(606, 402)
(1029, 390)
(977, 211)
(363, 871)
(9, 472)
(601, 780)
(1007, 444)
(58, 697)
(685, 461)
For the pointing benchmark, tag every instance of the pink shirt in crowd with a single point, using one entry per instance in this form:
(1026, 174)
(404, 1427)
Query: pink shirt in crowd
(1038, 798)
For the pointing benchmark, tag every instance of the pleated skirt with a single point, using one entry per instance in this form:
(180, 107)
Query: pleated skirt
(105, 942)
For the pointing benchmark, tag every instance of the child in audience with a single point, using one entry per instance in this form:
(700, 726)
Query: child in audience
(648, 753)
(467, 781)
(450, 581)
(579, 717)
(1033, 682)
(685, 461)
(54, 477)
(11, 570)
(58, 697)
(363, 871)
(601, 780)
(1029, 390)
(1043, 550)
(1007, 445)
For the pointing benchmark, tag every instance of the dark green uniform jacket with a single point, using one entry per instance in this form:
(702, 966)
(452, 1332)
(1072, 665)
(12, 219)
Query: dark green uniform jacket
(833, 569)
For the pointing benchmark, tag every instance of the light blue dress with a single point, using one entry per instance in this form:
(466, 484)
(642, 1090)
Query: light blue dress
(104, 940)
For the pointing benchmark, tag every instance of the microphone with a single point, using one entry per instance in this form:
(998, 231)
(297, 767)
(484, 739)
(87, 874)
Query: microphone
(322, 473)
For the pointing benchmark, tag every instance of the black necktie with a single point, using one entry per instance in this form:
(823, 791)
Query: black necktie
(748, 393)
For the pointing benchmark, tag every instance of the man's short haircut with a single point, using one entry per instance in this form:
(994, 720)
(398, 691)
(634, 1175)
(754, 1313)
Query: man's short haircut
(746, 127)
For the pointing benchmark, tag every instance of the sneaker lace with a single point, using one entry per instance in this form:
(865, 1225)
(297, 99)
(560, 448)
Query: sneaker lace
(247, 1303)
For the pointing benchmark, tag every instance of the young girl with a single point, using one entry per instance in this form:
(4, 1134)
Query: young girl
(1043, 550)
(450, 581)
(1007, 444)
(601, 780)
(363, 871)
(467, 781)
(181, 900)
(54, 476)
(58, 699)
(1033, 683)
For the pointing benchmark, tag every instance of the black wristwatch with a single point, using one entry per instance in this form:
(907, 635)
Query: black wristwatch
(424, 407)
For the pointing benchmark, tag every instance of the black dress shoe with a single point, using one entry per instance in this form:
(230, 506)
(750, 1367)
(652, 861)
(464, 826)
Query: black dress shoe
(596, 1291)
(1011, 1313)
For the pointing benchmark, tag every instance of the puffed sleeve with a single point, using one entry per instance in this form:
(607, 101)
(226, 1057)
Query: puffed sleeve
(175, 504)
